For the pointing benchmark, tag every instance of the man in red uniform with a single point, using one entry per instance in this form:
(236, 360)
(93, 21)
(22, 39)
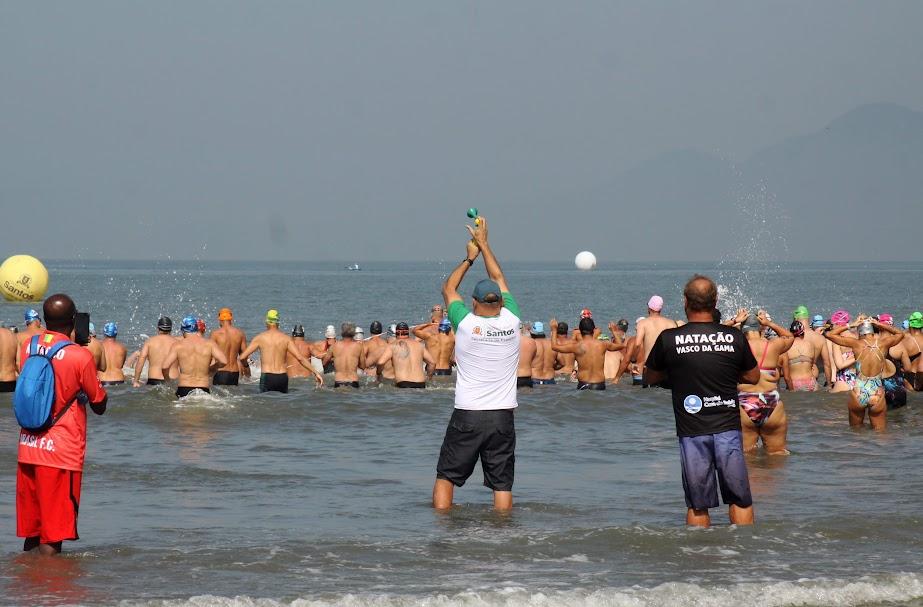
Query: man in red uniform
(51, 462)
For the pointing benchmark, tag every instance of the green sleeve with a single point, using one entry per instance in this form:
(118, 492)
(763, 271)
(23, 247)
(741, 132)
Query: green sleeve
(457, 312)
(509, 302)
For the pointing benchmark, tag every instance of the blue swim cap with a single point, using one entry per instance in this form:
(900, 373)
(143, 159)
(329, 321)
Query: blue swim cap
(30, 315)
(110, 329)
(445, 326)
(905, 324)
(92, 329)
(189, 325)
(817, 321)
(538, 327)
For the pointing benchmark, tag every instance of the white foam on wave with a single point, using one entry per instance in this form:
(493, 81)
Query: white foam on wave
(892, 589)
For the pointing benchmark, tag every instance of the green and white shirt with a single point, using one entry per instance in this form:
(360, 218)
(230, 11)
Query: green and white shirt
(487, 356)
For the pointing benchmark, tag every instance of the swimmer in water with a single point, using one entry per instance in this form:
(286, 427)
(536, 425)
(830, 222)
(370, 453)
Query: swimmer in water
(545, 357)
(893, 377)
(232, 341)
(798, 362)
(614, 359)
(439, 340)
(527, 358)
(565, 360)
(822, 361)
(292, 366)
(803, 315)
(7, 360)
(842, 360)
(320, 348)
(274, 345)
(373, 348)
(96, 349)
(914, 344)
(590, 353)
(154, 352)
(33, 327)
(762, 413)
(114, 352)
(650, 328)
(867, 397)
(196, 357)
(408, 357)
(347, 358)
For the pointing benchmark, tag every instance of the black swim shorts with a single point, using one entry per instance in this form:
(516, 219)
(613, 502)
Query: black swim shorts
(599, 385)
(543, 382)
(442, 372)
(117, 382)
(524, 382)
(274, 382)
(155, 382)
(182, 391)
(226, 378)
(8, 386)
(346, 384)
(490, 435)
(410, 384)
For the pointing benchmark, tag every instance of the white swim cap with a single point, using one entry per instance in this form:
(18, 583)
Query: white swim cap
(331, 332)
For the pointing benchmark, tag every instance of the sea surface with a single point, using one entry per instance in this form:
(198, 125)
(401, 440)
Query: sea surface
(322, 497)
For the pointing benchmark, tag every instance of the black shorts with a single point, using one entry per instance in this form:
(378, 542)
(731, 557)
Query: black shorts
(637, 381)
(542, 382)
(524, 382)
(346, 384)
(184, 391)
(442, 372)
(490, 435)
(599, 385)
(155, 382)
(117, 382)
(226, 378)
(8, 386)
(410, 384)
(274, 382)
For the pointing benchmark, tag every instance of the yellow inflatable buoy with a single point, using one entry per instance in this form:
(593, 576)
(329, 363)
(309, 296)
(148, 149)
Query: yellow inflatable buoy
(23, 278)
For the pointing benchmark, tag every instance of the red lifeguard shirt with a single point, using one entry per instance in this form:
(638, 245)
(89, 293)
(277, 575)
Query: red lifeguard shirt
(64, 444)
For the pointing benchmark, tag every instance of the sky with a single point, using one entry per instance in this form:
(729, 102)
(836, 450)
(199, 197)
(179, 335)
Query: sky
(364, 130)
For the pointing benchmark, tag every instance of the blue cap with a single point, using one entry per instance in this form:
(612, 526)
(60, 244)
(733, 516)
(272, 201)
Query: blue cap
(817, 321)
(189, 325)
(445, 326)
(538, 327)
(905, 324)
(487, 291)
(30, 315)
(92, 329)
(110, 329)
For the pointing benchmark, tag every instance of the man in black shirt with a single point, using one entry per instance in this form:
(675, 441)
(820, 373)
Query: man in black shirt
(705, 361)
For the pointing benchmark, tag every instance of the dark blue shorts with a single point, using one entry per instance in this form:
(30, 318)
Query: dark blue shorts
(701, 457)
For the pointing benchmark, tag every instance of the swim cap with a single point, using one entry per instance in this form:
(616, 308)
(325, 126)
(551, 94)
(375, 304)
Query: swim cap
(445, 326)
(164, 323)
(360, 332)
(563, 328)
(797, 328)
(639, 319)
(801, 312)
(330, 332)
(200, 325)
(188, 325)
(30, 316)
(92, 329)
(817, 321)
(840, 318)
(905, 324)
(916, 320)
(655, 303)
(585, 313)
(865, 328)
(622, 324)
(375, 328)
(886, 319)
(392, 328)
(110, 329)
(225, 314)
(401, 327)
(487, 291)
(770, 334)
(603, 337)
(751, 324)
(538, 328)
(298, 331)
(272, 317)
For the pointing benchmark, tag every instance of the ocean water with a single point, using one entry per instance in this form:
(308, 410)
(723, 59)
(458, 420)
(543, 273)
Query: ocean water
(321, 497)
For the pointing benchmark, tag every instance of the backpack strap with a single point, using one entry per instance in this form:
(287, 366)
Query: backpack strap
(33, 345)
(57, 348)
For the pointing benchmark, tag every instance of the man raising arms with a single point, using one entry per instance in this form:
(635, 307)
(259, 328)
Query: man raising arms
(486, 357)
(232, 341)
(408, 357)
(649, 328)
(273, 345)
(590, 353)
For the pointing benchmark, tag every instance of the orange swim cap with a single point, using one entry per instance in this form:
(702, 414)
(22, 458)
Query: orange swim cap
(225, 314)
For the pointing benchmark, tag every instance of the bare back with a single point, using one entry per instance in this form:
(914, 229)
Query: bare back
(96, 349)
(8, 348)
(649, 329)
(565, 360)
(272, 345)
(347, 354)
(195, 355)
(526, 355)
(292, 366)
(407, 357)
(114, 352)
(155, 351)
(767, 355)
(373, 348)
(591, 359)
(543, 367)
(444, 350)
(232, 341)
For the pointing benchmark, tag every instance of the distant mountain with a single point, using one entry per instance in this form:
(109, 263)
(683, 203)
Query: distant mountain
(852, 190)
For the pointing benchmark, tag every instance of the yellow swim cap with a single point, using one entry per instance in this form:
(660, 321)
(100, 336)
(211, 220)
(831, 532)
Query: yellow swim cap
(272, 317)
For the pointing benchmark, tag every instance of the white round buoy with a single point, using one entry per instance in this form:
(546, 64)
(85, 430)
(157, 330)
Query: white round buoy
(23, 278)
(585, 260)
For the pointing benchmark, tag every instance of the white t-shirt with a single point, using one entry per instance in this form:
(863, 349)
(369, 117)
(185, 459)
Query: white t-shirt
(487, 357)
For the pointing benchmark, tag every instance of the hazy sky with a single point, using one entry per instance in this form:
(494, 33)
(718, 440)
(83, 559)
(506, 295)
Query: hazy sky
(348, 130)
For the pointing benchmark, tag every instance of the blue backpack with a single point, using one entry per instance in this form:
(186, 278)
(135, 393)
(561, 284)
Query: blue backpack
(34, 396)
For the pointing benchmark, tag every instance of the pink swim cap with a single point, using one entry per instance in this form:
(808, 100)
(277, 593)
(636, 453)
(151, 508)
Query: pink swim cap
(585, 313)
(655, 303)
(886, 319)
(840, 318)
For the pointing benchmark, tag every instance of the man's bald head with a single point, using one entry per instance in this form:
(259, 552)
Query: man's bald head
(59, 311)
(701, 294)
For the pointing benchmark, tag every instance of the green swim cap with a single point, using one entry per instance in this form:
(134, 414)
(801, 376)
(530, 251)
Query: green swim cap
(916, 320)
(801, 312)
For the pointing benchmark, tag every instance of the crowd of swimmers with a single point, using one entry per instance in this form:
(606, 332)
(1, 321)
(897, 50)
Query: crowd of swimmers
(873, 360)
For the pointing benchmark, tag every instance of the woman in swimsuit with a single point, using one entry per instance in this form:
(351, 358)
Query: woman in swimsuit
(913, 341)
(798, 363)
(842, 360)
(868, 396)
(762, 415)
(893, 377)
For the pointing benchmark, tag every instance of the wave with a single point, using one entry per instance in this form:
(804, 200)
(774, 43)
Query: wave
(892, 589)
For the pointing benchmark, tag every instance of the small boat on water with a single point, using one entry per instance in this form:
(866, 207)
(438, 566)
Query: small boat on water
(355, 267)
